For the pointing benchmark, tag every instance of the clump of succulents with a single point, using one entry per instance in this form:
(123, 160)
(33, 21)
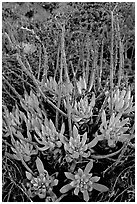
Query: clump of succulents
(83, 181)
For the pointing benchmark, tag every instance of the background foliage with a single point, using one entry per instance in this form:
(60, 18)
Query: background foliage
(94, 46)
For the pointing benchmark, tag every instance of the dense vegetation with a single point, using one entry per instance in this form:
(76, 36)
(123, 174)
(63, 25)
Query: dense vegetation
(68, 95)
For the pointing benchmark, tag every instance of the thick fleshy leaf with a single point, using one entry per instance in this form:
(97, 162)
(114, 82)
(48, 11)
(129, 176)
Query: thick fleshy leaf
(55, 182)
(85, 195)
(75, 132)
(76, 191)
(112, 119)
(104, 122)
(40, 166)
(52, 127)
(37, 131)
(116, 119)
(84, 139)
(93, 143)
(92, 103)
(128, 95)
(88, 167)
(120, 104)
(69, 175)
(66, 188)
(73, 183)
(80, 172)
(28, 175)
(62, 129)
(100, 187)
(95, 179)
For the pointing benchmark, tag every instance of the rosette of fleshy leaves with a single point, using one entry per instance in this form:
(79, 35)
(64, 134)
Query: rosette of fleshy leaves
(76, 147)
(83, 109)
(123, 101)
(23, 147)
(114, 130)
(47, 136)
(84, 182)
(41, 185)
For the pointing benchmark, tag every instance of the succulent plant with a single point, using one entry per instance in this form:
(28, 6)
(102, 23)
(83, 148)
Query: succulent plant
(83, 109)
(77, 147)
(23, 149)
(114, 130)
(48, 136)
(123, 101)
(83, 181)
(42, 185)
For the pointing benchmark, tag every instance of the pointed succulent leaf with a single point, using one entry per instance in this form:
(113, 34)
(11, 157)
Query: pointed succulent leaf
(69, 175)
(112, 118)
(104, 122)
(128, 95)
(93, 143)
(75, 131)
(95, 179)
(88, 167)
(38, 132)
(28, 175)
(100, 187)
(55, 182)
(40, 166)
(66, 188)
(116, 119)
(76, 191)
(92, 103)
(62, 129)
(80, 172)
(119, 104)
(52, 127)
(84, 139)
(86, 195)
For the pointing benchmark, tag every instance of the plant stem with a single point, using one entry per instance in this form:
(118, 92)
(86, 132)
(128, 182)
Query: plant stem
(112, 65)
